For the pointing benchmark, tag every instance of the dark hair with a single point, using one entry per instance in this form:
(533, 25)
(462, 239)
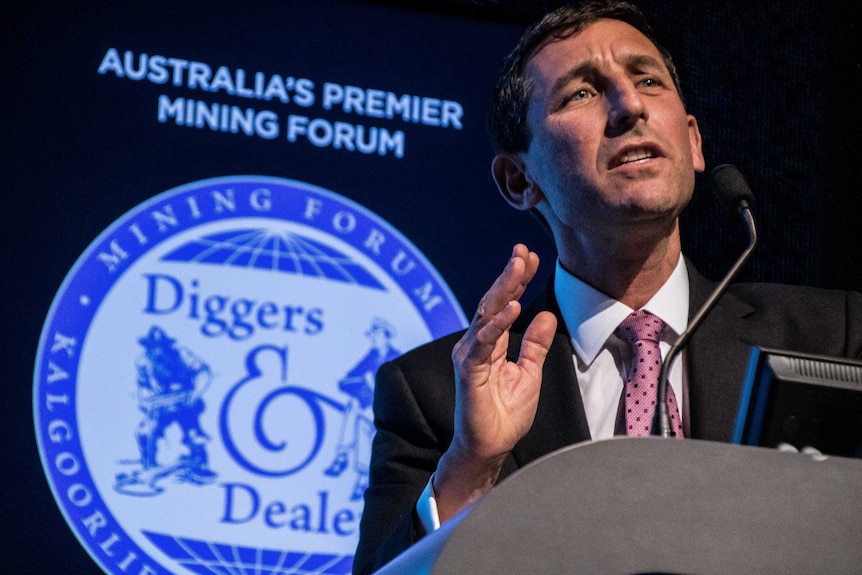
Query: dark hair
(508, 120)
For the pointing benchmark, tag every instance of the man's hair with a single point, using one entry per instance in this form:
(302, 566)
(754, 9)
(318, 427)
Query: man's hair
(508, 119)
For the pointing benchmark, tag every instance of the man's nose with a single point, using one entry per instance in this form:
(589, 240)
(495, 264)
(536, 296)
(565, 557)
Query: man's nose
(625, 107)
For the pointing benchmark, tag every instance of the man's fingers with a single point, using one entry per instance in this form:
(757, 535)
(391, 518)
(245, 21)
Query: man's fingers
(537, 341)
(510, 284)
(531, 264)
(477, 346)
(502, 290)
(490, 333)
(496, 312)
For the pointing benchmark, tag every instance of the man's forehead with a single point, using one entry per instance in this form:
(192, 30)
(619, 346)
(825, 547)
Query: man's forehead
(605, 38)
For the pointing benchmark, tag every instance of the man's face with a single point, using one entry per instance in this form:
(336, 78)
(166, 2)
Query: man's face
(611, 142)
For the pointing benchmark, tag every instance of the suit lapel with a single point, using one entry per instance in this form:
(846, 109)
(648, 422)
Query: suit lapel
(717, 358)
(560, 417)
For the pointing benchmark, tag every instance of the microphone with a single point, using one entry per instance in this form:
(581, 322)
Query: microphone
(731, 188)
(733, 191)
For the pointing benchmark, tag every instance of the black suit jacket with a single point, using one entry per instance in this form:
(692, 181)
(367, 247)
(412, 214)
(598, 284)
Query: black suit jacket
(414, 396)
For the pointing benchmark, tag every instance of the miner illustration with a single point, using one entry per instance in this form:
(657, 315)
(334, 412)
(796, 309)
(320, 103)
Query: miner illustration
(171, 381)
(357, 427)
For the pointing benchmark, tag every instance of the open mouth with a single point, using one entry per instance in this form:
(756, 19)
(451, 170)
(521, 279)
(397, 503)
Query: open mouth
(633, 155)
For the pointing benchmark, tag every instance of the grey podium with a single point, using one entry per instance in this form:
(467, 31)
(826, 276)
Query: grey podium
(653, 505)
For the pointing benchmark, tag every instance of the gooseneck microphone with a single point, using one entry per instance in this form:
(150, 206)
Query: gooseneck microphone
(733, 191)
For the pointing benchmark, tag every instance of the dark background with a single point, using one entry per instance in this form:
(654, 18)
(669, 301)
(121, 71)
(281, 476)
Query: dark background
(772, 85)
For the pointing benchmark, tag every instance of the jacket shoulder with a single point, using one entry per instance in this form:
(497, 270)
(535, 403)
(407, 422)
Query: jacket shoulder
(825, 320)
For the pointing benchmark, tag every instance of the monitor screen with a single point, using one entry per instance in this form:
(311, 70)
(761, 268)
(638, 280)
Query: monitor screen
(801, 400)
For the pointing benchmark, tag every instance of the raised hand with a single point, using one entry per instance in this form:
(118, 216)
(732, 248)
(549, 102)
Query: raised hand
(496, 399)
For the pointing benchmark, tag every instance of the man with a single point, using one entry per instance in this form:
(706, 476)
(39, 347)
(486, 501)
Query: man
(593, 137)
(171, 381)
(357, 427)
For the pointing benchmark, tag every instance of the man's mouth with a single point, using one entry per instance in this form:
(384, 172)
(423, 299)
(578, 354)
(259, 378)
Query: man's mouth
(633, 155)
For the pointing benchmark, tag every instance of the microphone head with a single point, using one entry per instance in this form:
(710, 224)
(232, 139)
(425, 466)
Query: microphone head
(731, 188)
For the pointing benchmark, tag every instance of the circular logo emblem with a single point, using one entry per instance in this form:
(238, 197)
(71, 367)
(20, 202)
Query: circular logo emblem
(204, 378)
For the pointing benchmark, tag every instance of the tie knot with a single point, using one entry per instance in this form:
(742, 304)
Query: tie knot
(641, 325)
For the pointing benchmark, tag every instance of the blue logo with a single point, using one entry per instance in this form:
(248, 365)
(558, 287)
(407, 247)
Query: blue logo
(170, 384)
(205, 375)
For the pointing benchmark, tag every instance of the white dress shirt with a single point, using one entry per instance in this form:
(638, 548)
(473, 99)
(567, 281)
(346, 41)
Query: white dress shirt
(601, 358)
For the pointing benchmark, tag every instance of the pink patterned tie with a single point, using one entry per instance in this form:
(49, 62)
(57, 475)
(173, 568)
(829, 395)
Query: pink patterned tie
(642, 330)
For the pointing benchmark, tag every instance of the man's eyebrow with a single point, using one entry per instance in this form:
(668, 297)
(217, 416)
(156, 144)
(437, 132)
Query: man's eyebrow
(639, 61)
(630, 62)
(577, 72)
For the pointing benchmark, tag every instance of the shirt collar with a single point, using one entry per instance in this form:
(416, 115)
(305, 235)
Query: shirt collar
(591, 316)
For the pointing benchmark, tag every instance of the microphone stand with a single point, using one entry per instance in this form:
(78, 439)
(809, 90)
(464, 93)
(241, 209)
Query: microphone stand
(661, 420)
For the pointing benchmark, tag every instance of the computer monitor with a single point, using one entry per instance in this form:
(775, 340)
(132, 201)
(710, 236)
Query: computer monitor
(801, 400)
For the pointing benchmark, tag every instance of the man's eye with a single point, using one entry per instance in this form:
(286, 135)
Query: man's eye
(581, 94)
(650, 83)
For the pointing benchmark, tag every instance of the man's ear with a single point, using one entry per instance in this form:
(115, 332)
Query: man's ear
(513, 181)
(696, 144)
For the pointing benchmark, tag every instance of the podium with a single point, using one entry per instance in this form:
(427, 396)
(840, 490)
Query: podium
(653, 505)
